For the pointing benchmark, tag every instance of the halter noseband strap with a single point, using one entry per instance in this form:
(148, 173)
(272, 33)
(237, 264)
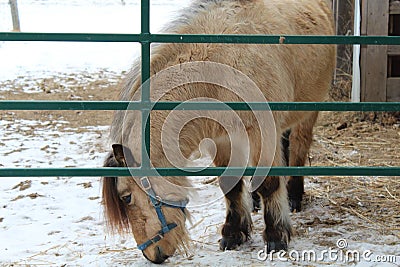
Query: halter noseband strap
(157, 204)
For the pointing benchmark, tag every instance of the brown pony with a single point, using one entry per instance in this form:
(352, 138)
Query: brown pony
(154, 208)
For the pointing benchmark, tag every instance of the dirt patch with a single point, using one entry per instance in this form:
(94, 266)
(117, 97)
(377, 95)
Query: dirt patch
(31, 196)
(23, 185)
(360, 143)
(374, 200)
(65, 87)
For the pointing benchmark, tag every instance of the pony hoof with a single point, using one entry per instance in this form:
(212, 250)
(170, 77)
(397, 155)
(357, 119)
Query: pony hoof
(295, 205)
(276, 246)
(231, 242)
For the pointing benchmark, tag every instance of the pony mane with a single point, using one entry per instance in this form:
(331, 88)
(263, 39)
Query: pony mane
(115, 211)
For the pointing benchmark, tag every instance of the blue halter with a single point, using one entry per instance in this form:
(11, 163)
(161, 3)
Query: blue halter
(157, 204)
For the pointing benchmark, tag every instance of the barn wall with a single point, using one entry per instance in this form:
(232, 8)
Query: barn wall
(380, 65)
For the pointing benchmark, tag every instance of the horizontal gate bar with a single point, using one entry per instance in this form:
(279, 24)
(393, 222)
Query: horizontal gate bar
(197, 171)
(199, 38)
(124, 105)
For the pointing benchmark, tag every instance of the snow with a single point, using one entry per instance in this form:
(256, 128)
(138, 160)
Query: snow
(28, 143)
(58, 221)
(86, 16)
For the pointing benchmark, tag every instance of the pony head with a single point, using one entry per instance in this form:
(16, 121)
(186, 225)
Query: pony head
(142, 205)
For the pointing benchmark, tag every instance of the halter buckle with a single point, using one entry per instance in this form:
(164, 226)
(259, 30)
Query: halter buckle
(158, 202)
(145, 183)
(157, 238)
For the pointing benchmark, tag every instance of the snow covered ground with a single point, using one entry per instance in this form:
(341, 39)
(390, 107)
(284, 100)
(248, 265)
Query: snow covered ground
(58, 221)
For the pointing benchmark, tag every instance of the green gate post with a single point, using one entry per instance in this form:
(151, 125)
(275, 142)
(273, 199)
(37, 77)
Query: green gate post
(145, 97)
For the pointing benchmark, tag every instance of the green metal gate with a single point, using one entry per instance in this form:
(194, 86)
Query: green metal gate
(145, 38)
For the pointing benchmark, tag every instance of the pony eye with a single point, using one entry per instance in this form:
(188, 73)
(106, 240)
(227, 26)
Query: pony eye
(127, 199)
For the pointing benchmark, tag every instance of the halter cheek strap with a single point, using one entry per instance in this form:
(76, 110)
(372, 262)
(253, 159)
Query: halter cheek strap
(157, 203)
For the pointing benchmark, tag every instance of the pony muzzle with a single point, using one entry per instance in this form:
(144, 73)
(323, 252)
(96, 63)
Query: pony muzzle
(159, 256)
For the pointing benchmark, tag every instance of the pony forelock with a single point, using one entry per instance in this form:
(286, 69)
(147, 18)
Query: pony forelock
(115, 211)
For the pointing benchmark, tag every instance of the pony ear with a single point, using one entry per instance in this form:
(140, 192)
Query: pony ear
(118, 151)
(123, 155)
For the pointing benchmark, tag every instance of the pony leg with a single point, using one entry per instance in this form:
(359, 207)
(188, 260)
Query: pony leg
(285, 150)
(237, 227)
(273, 192)
(300, 140)
(276, 213)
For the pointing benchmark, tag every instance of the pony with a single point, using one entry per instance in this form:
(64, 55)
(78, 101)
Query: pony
(155, 208)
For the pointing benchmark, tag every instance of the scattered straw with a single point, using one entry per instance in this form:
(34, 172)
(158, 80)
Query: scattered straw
(374, 200)
(197, 223)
